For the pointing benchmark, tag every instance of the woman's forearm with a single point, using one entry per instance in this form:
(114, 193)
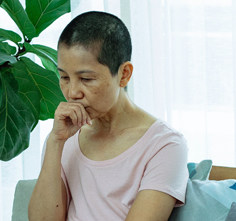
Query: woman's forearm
(48, 201)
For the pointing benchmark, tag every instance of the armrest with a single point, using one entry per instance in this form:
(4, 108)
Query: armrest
(222, 173)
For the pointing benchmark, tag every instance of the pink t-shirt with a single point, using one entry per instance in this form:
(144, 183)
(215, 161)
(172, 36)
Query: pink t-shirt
(105, 190)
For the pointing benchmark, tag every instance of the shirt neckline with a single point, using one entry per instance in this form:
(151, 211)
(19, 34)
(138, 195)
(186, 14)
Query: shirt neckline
(116, 159)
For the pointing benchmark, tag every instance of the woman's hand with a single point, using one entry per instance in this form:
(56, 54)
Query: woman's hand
(68, 119)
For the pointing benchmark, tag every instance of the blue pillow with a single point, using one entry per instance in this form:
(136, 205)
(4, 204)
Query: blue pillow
(206, 200)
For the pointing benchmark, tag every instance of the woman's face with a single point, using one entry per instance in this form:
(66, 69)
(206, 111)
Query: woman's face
(84, 80)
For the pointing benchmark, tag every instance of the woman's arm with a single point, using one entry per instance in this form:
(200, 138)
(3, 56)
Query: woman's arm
(48, 201)
(151, 205)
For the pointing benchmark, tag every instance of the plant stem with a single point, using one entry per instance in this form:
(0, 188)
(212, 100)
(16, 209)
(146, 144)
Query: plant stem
(21, 50)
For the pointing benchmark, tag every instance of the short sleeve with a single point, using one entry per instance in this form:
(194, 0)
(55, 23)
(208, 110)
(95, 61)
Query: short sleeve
(167, 171)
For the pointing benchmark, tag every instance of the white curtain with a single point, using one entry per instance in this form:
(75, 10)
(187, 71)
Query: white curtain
(184, 72)
(183, 53)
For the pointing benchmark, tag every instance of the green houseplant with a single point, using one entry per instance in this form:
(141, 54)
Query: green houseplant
(28, 92)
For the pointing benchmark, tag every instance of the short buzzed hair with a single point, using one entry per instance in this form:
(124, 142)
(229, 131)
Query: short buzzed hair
(104, 34)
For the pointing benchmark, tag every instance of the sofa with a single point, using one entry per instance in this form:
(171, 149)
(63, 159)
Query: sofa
(206, 200)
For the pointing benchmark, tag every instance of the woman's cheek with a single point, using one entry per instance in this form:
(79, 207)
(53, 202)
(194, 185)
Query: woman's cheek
(64, 90)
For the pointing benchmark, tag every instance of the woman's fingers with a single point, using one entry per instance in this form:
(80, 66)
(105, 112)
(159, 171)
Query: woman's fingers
(68, 119)
(75, 111)
(81, 114)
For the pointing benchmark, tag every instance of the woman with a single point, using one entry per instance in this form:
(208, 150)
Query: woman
(106, 159)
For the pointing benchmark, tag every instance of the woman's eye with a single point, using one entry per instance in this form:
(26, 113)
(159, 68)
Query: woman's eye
(64, 77)
(86, 79)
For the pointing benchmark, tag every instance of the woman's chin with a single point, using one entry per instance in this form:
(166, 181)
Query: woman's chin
(94, 114)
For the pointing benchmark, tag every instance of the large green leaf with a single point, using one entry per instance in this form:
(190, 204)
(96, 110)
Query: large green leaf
(43, 51)
(28, 91)
(18, 14)
(1, 2)
(47, 84)
(10, 35)
(49, 65)
(44, 12)
(47, 55)
(16, 121)
(8, 49)
(4, 57)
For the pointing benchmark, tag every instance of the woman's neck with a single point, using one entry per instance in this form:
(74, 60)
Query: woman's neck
(118, 117)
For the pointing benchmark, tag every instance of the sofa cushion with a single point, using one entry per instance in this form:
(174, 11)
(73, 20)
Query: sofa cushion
(23, 192)
(232, 213)
(206, 200)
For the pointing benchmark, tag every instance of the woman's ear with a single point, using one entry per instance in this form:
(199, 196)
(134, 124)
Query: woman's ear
(125, 72)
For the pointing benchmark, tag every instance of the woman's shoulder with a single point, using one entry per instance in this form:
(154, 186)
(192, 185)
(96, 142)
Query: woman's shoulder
(147, 120)
(158, 129)
(143, 118)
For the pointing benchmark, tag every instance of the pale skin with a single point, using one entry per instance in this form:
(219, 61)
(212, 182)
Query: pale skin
(98, 105)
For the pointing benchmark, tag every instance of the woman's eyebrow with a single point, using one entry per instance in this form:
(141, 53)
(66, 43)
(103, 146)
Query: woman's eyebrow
(59, 69)
(78, 72)
(85, 71)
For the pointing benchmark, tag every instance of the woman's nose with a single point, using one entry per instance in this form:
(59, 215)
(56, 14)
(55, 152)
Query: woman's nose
(75, 91)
